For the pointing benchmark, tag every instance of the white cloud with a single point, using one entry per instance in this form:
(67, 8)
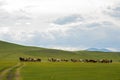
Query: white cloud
(65, 24)
(4, 30)
(58, 6)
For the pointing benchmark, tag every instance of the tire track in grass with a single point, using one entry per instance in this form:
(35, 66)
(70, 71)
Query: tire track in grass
(3, 69)
(14, 73)
(10, 73)
(17, 73)
(4, 73)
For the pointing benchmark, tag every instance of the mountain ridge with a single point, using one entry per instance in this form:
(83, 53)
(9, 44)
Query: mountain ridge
(99, 49)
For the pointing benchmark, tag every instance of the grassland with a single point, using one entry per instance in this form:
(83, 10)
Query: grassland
(71, 71)
(12, 69)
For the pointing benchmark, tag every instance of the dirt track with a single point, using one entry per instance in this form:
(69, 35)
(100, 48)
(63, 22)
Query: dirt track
(12, 73)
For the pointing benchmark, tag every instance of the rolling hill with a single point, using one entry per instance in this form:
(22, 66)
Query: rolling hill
(12, 69)
(11, 52)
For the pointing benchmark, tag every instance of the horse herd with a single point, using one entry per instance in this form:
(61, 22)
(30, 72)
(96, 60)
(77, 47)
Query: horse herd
(80, 60)
(29, 59)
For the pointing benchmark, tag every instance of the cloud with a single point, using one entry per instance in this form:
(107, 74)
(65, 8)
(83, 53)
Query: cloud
(68, 20)
(75, 37)
(114, 11)
(72, 25)
(13, 19)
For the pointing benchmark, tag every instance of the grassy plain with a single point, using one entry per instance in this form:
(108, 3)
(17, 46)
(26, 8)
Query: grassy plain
(71, 71)
(12, 69)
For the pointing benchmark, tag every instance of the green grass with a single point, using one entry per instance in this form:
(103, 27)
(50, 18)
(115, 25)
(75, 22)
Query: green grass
(5, 64)
(10, 53)
(71, 71)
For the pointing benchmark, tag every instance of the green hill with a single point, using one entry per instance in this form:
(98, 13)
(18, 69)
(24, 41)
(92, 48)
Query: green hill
(11, 52)
(12, 69)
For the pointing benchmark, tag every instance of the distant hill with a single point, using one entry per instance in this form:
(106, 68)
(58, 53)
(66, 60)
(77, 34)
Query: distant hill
(96, 49)
(11, 52)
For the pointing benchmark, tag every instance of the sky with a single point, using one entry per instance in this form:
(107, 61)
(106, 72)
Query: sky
(61, 24)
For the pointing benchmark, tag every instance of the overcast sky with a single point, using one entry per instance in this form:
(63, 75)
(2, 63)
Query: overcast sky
(61, 24)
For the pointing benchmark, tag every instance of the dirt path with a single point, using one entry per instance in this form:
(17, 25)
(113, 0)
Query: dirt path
(17, 75)
(12, 73)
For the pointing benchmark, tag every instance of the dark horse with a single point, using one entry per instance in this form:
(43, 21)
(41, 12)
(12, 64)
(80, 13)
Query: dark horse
(29, 59)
